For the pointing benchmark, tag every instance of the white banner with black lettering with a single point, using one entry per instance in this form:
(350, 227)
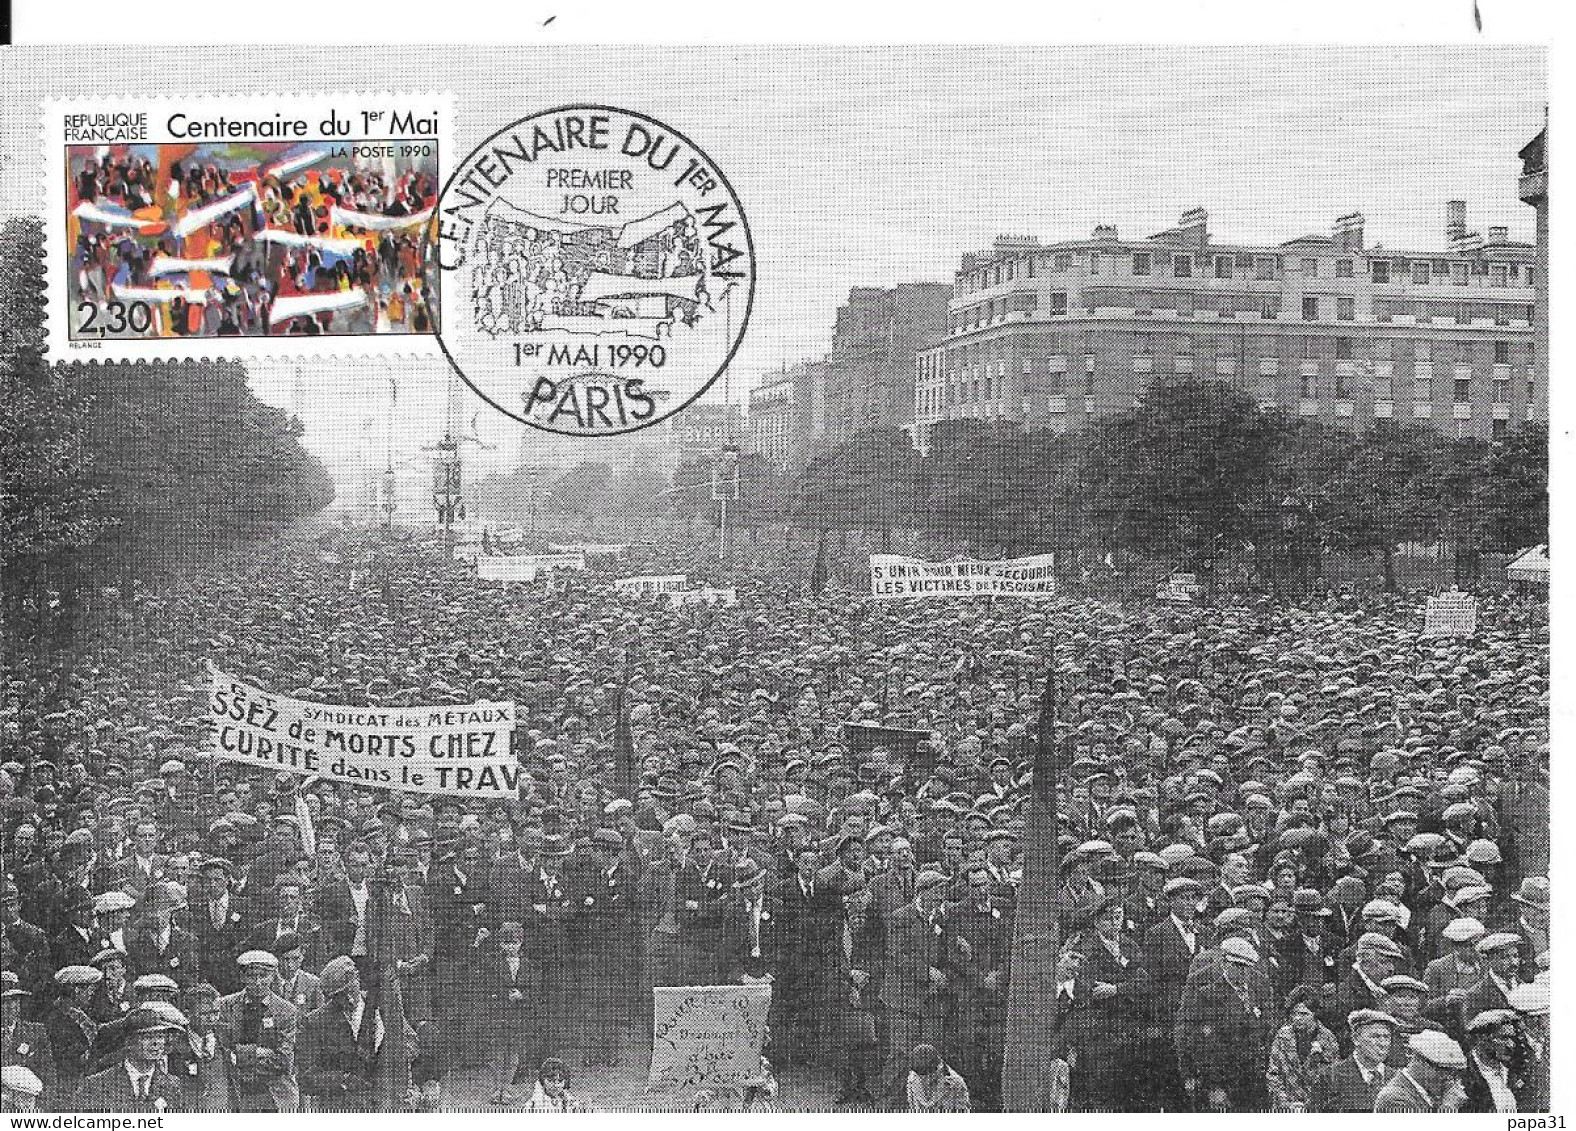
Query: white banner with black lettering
(894, 576)
(456, 749)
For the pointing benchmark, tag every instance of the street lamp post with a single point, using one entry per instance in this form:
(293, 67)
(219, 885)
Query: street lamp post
(447, 497)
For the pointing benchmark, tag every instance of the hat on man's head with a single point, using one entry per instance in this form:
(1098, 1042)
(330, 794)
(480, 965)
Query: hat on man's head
(1376, 943)
(1491, 1019)
(252, 959)
(1357, 1018)
(1239, 950)
(111, 902)
(1534, 892)
(1499, 940)
(1463, 930)
(1401, 983)
(78, 976)
(20, 1078)
(154, 984)
(148, 1019)
(338, 976)
(1308, 901)
(1438, 1049)
(1531, 998)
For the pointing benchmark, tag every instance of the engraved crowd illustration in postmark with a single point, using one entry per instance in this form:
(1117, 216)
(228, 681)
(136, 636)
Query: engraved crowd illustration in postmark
(603, 270)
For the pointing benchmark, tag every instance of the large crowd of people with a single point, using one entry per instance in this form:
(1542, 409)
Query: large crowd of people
(1303, 857)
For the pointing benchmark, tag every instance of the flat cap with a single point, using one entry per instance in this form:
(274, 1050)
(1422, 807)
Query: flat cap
(1374, 941)
(111, 902)
(1239, 950)
(1360, 1017)
(1397, 982)
(1382, 909)
(253, 958)
(1464, 929)
(1531, 998)
(155, 984)
(1491, 1018)
(1438, 1049)
(18, 1078)
(78, 976)
(1499, 940)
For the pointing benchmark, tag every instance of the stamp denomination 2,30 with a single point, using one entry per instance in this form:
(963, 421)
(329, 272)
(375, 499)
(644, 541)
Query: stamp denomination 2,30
(600, 268)
(278, 226)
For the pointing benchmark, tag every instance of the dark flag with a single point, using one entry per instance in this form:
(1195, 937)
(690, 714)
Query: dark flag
(818, 574)
(1031, 1080)
(384, 994)
(623, 739)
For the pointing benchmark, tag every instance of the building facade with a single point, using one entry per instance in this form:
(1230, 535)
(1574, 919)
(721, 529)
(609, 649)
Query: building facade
(703, 429)
(1323, 326)
(870, 369)
(785, 409)
(1534, 190)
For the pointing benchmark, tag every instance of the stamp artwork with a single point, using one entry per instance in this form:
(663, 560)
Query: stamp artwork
(189, 221)
(680, 579)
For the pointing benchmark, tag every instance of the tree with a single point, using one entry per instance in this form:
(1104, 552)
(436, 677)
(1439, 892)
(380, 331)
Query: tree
(48, 511)
(1187, 471)
(1513, 496)
(868, 482)
(1379, 490)
(121, 472)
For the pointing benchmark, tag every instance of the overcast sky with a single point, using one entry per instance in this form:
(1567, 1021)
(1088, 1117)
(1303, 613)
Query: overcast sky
(871, 166)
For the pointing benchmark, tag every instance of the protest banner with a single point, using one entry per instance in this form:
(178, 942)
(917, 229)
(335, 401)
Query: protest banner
(1181, 588)
(524, 567)
(1451, 614)
(703, 596)
(893, 576)
(457, 749)
(902, 743)
(645, 585)
(590, 549)
(707, 1036)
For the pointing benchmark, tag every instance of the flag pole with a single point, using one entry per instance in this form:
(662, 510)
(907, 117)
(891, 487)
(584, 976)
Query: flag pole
(1036, 934)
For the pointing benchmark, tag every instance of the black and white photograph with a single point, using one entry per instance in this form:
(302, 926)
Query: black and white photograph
(810, 578)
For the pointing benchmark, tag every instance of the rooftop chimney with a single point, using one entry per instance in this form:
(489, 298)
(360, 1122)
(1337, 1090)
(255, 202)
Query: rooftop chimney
(1498, 235)
(1455, 221)
(1194, 226)
(1348, 232)
(1105, 232)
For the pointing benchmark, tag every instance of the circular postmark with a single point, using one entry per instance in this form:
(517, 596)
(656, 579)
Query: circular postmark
(601, 270)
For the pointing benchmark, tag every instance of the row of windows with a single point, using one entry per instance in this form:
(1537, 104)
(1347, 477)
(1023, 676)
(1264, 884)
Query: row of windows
(1055, 370)
(986, 388)
(1264, 347)
(1186, 304)
(1245, 265)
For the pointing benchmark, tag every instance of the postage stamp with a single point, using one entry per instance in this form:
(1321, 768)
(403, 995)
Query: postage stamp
(259, 226)
(603, 270)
